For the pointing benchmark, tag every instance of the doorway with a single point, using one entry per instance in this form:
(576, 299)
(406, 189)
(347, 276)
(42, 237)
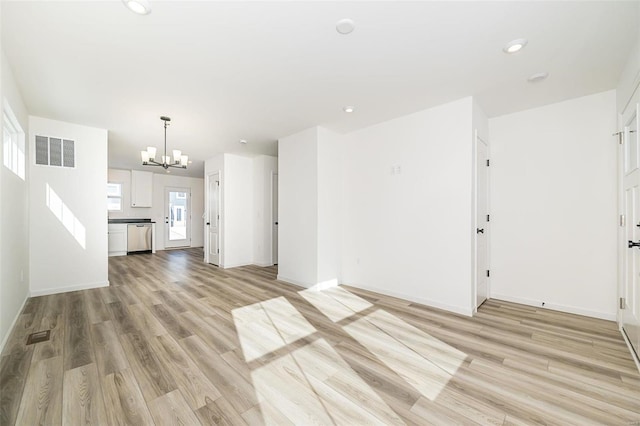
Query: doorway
(629, 302)
(274, 218)
(482, 221)
(213, 219)
(177, 217)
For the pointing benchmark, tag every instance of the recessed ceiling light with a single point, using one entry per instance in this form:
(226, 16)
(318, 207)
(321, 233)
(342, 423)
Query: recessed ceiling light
(243, 141)
(534, 78)
(349, 108)
(141, 7)
(345, 26)
(515, 45)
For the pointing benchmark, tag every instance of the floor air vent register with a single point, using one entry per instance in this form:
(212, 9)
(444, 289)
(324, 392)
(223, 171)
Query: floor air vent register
(40, 336)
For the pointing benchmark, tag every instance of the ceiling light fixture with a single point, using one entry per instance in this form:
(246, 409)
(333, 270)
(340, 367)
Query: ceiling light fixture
(141, 7)
(345, 26)
(243, 141)
(149, 156)
(534, 78)
(515, 45)
(349, 108)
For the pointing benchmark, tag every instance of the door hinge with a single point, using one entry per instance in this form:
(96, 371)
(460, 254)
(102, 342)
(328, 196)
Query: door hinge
(623, 221)
(620, 138)
(623, 303)
(487, 162)
(487, 218)
(488, 273)
(218, 251)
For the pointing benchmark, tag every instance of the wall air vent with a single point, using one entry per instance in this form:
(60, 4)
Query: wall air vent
(55, 152)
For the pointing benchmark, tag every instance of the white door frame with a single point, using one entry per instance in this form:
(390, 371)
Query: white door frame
(632, 108)
(220, 212)
(475, 223)
(272, 222)
(188, 218)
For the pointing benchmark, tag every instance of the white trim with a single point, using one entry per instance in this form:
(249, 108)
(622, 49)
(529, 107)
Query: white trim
(263, 264)
(633, 353)
(234, 265)
(271, 223)
(56, 290)
(427, 302)
(5, 339)
(556, 307)
(281, 277)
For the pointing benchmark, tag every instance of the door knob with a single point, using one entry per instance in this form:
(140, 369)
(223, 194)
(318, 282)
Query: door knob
(479, 231)
(632, 244)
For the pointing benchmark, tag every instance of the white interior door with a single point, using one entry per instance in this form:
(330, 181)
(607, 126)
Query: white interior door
(177, 217)
(274, 218)
(213, 219)
(629, 306)
(482, 221)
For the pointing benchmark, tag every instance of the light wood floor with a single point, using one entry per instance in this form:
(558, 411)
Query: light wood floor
(175, 341)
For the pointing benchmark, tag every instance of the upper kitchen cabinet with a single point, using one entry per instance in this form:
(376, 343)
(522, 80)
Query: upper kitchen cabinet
(141, 188)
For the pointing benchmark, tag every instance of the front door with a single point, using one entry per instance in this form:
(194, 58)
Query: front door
(482, 221)
(629, 304)
(213, 219)
(177, 217)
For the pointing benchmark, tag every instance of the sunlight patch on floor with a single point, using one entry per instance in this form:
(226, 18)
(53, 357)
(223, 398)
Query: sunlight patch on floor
(335, 303)
(268, 326)
(424, 362)
(314, 385)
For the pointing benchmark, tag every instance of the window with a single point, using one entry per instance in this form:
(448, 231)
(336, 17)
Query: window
(114, 197)
(13, 143)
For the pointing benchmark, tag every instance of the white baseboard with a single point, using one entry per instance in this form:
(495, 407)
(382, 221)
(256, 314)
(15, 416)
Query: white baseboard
(13, 324)
(427, 302)
(263, 264)
(293, 281)
(235, 265)
(56, 290)
(556, 307)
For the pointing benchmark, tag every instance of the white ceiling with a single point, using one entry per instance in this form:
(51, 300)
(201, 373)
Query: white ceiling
(263, 70)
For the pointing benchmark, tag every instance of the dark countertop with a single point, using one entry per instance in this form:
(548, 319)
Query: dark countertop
(130, 221)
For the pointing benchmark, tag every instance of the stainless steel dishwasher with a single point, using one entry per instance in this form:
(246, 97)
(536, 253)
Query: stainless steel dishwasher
(138, 237)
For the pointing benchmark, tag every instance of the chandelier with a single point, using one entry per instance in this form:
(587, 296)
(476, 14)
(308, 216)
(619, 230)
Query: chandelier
(149, 156)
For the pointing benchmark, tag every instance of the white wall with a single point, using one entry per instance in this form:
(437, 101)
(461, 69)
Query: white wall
(14, 217)
(630, 77)
(553, 206)
(237, 211)
(157, 212)
(329, 207)
(58, 260)
(409, 234)
(263, 169)
(298, 208)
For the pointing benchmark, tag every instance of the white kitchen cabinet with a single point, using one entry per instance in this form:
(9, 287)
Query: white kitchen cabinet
(141, 188)
(117, 239)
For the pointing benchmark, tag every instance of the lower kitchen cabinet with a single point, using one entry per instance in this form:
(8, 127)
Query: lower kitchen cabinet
(117, 239)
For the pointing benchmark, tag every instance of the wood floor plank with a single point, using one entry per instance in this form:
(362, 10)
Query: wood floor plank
(194, 385)
(147, 366)
(124, 402)
(172, 409)
(82, 399)
(96, 309)
(41, 402)
(219, 412)
(14, 369)
(110, 356)
(174, 339)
